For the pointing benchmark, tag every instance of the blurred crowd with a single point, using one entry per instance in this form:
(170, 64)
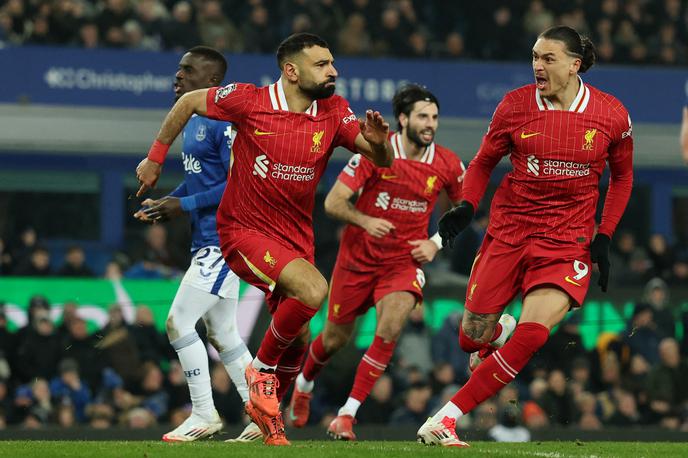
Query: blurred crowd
(123, 374)
(152, 256)
(56, 372)
(625, 31)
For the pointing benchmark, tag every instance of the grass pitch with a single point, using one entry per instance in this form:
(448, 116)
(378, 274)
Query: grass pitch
(326, 449)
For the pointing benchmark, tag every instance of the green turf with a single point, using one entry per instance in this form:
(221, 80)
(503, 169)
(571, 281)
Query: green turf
(326, 449)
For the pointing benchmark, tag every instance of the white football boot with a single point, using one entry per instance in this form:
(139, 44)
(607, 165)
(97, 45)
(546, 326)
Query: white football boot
(195, 427)
(442, 433)
(251, 433)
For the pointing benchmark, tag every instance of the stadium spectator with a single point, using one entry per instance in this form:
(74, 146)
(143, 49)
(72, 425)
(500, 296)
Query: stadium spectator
(75, 264)
(119, 348)
(379, 407)
(558, 400)
(180, 32)
(77, 345)
(415, 408)
(39, 350)
(154, 398)
(509, 428)
(354, 39)
(36, 265)
(216, 30)
(257, 31)
(563, 347)
(626, 412)
(227, 400)
(631, 262)
(642, 335)
(445, 350)
(587, 412)
(5, 258)
(661, 257)
(667, 389)
(67, 388)
(152, 345)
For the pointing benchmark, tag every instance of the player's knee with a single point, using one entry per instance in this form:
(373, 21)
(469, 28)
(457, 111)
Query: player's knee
(314, 294)
(334, 341)
(390, 331)
(172, 332)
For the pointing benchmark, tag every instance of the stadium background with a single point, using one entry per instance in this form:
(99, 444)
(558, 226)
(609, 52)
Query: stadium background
(83, 93)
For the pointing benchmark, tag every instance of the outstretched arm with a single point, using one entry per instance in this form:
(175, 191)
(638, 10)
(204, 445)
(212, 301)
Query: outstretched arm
(338, 205)
(148, 171)
(372, 142)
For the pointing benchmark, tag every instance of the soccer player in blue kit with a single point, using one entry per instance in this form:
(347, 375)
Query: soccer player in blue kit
(209, 289)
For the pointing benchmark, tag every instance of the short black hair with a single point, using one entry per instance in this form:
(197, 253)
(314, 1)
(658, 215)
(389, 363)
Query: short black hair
(406, 96)
(576, 44)
(296, 43)
(212, 55)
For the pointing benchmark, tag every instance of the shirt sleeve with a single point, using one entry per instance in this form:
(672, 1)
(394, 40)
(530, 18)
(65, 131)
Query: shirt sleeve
(495, 145)
(348, 127)
(231, 102)
(179, 191)
(356, 172)
(620, 161)
(454, 186)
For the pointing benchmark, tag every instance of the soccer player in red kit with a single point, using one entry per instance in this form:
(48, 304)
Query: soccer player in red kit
(559, 133)
(382, 249)
(286, 133)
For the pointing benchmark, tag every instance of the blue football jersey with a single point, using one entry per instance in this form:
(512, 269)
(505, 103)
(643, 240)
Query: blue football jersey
(206, 156)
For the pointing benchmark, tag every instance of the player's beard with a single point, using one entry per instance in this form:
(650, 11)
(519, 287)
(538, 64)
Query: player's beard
(414, 137)
(319, 91)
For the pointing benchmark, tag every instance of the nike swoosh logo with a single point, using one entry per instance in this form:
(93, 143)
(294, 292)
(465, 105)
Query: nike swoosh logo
(498, 379)
(373, 374)
(525, 135)
(260, 132)
(384, 176)
(568, 279)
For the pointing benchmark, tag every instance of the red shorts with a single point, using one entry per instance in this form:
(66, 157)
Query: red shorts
(258, 260)
(352, 293)
(501, 271)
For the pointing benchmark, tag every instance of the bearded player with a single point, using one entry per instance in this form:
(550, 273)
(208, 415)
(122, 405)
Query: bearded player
(382, 250)
(559, 133)
(286, 133)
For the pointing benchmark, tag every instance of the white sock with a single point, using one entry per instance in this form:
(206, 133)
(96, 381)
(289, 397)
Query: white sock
(450, 410)
(235, 362)
(350, 407)
(194, 362)
(303, 385)
(261, 366)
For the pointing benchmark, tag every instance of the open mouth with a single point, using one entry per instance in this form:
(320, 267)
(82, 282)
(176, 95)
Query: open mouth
(427, 135)
(177, 88)
(540, 82)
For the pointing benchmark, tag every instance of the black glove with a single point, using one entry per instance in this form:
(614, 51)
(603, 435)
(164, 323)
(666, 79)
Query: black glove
(454, 221)
(599, 253)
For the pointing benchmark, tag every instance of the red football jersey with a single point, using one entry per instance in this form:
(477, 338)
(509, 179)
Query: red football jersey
(557, 157)
(277, 159)
(404, 195)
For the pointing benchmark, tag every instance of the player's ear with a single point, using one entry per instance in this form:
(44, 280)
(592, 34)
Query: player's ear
(575, 66)
(403, 120)
(291, 71)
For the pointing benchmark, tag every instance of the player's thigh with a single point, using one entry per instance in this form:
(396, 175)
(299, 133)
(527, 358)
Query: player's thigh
(350, 296)
(256, 259)
(496, 277)
(392, 312)
(564, 267)
(188, 306)
(397, 291)
(545, 305)
(301, 280)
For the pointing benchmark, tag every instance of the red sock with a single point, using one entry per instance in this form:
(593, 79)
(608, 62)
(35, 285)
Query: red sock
(317, 359)
(371, 367)
(469, 345)
(500, 368)
(288, 368)
(286, 324)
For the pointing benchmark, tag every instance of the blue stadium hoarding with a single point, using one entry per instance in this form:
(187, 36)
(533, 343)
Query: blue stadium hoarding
(468, 89)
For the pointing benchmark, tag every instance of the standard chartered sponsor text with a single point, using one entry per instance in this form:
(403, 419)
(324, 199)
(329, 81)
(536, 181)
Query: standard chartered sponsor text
(565, 168)
(90, 79)
(408, 205)
(292, 172)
